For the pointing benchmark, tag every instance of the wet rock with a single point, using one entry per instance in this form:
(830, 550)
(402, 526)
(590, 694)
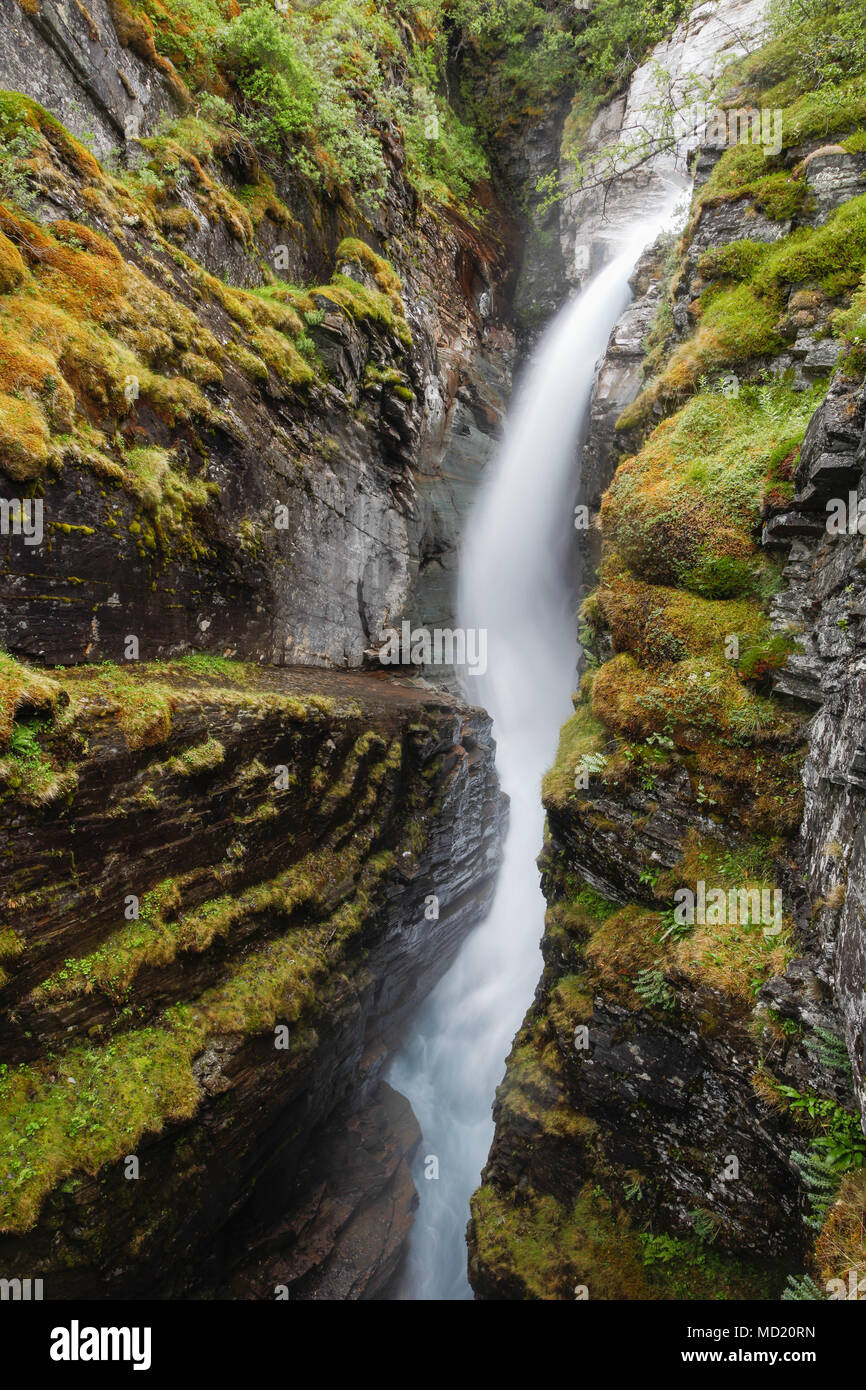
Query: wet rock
(69, 58)
(833, 176)
(291, 1164)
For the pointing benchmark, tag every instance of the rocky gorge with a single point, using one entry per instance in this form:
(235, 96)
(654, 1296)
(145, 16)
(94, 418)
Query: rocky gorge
(254, 404)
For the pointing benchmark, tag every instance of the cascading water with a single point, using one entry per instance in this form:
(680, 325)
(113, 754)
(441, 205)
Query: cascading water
(514, 583)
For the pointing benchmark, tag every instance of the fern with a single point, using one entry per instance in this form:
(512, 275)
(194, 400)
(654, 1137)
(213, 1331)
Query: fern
(705, 1225)
(829, 1051)
(801, 1287)
(591, 764)
(822, 1168)
(652, 989)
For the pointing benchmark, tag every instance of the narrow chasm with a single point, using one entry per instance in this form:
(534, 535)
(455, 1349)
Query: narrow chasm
(432, 650)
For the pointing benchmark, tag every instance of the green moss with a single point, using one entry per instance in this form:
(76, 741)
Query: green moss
(21, 685)
(583, 734)
(386, 277)
(733, 260)
(95, 1103)
(745, 171)
(200, 759)
(693, 494)
(141, 706)
(543, 1248)
(27, 769)
(660, 623)
(571, 1003)
(168, 495)
(361, 303)
(17, 111)
(832, 255)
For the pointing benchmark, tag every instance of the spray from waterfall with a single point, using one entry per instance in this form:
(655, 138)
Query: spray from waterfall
(513, 582)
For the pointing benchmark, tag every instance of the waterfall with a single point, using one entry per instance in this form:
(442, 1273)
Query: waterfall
(513, 582)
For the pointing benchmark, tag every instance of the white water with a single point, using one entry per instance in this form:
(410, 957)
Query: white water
(514, 583)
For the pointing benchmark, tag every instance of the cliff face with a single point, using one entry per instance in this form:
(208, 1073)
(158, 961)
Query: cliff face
(823, 598)
(306, 450)
(248, 407)
(284, 836)
(679, 73)
(679, 1117)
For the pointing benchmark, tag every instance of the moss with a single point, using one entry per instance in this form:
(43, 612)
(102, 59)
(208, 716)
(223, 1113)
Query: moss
(141, 706)
(695, 490)
(24, 439)
(29, 771)
(621, 947)
(733, 956)
(736, 323)
(179, 154)
(733, 260)
(390, 378)
(841, 1245)
(136, 31)
(215, 667)
(166, 492)
(658, 623)
(200, 759)
(13, 271)
(21, 686)
(261, 201)
(830, 110)
(249, 363)
(94, 1104)
(571, 1003)
(386, 277)
(99, 1105)
(361, 303)
(745, 171)
(18, 111)
(832, 255)
(79, 344)
(544, 1248)
(582, 734)
(694, 696)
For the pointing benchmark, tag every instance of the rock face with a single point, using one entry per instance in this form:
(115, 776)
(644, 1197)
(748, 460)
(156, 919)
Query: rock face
(825, 601)
(328, 497)
(73, 61)
(646, 1140)
(283, 933)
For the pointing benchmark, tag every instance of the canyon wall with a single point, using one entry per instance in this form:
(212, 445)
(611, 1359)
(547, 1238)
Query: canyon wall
(229, 1037)
(231, 870)
(326, 490)
(681, 1115)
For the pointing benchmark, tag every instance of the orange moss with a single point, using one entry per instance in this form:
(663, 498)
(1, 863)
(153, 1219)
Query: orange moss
(657, 624)
(13, 271)
(86, 281)
(24, 446)
(841, 1246)
(620, 947)
(135, 31)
